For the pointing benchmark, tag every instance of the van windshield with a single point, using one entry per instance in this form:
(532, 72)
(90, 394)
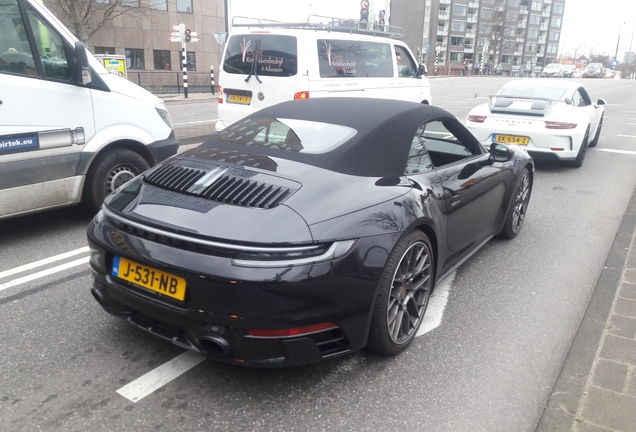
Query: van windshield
(275, 55)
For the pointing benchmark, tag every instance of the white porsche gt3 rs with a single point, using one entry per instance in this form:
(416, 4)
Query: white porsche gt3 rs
(552, 119)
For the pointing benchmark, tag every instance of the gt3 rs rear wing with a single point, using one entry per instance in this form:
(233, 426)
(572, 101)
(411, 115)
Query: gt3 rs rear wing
(524, 105)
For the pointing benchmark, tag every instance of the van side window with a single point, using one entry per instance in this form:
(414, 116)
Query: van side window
(15, 52)
(405, 64)
(50, 49)
(343, 58)
(264, 55)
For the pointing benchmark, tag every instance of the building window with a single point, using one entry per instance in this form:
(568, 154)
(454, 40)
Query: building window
(161, 5)
(459, 10)
(512, 16)
(104, 50)
(134, 58)
(486, 13)
(557, 8)
(537, 5)
(534, 20)
(130, 3)
(552, 48)
(507, 59)
(513, 3)
(554, 35)
(162, 59)
(184, 6)
(191, 58)
(556, 22)
(455, 56)
(459, 26)
(533, 33)
(457, 41)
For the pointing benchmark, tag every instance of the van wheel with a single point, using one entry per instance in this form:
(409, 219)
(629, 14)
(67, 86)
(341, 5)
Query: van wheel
(110, 170)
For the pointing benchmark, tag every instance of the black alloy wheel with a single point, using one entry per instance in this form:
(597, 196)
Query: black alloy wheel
(518, 207)
(405, 289)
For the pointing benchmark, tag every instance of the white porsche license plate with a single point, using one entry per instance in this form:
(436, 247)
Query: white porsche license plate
(510, 139)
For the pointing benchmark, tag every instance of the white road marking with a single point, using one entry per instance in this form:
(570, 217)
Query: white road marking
(436, 306)
(43, 273)
(627, 136)
(195, 122)
(157, 378)
(631, 124)
(616, 151)
(42, 262)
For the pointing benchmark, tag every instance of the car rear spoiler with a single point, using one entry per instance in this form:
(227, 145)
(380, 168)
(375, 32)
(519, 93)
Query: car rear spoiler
(501, 104)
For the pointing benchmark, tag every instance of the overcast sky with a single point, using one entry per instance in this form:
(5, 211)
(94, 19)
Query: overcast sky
(590, 25)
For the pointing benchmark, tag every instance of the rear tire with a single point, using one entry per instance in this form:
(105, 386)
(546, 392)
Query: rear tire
(580, 157)
(598, 134)
(404, 291)
(110, 170)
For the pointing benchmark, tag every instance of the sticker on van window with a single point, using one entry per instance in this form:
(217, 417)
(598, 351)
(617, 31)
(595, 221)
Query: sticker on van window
(18, 143)
(354, 59)
(262, 55)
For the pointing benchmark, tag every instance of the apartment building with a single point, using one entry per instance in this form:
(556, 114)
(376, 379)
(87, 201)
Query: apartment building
(521, 35)
(142, 36)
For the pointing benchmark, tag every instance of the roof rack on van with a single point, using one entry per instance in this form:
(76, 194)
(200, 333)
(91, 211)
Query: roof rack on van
(319, 22)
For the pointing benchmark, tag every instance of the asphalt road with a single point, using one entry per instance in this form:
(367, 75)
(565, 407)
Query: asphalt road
(511, 313)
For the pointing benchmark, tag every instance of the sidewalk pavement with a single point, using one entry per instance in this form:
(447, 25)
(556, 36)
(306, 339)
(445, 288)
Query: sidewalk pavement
(596, 389)
(192, 97)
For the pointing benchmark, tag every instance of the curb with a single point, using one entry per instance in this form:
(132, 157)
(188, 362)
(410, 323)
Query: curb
(559, 413)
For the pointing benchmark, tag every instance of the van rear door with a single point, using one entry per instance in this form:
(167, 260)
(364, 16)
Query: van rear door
(45, 118)
(259, 70)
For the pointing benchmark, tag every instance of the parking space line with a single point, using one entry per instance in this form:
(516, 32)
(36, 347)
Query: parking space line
(157, 378)
(627, 136)
(195, 122)
(616, 151)
(42, 262)
(436, 305)
(43, 273)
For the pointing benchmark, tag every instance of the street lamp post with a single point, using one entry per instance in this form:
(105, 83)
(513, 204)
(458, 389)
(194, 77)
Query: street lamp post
(619, 41)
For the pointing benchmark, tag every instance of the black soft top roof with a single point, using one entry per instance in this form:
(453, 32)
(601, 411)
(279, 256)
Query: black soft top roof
(385, 130)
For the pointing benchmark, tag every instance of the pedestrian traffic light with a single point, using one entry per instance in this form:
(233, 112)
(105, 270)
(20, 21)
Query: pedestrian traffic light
(364, 11)
(188, 35)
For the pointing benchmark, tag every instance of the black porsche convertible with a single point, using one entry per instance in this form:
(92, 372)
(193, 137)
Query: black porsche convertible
(311, 229)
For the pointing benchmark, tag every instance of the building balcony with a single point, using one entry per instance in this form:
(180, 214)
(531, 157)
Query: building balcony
(473, 4)
(543, 40)
(469, 49)
(518, 53)
(523, 10)
(443, 16)
(520, 39)
(546, 13)
(444, 1)
(522, 24)
(442, 31)
(541, 53)
(544, 27)
(471, 18)
(471, 33)
(547, 1)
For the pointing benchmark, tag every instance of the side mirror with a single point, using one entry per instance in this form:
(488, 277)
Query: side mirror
(600, 102)
(500, 153)
(422, 71)
(82, 68)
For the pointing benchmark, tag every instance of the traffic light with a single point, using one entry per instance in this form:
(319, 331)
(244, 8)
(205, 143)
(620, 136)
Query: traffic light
(364, 11)
(188, 35)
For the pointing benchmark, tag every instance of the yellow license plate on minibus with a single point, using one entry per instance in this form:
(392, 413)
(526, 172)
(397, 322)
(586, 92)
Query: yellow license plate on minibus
(510, 139)
(150, 278)
(238, 99)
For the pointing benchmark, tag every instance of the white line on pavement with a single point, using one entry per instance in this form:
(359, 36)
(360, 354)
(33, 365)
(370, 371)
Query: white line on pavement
(42, 262)
(632, 124)
(617, 151)
(43, 273)
(157, 378)
(627, 136)
(436, 306)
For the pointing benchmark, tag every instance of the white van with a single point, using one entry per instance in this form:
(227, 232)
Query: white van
(265, 63)
(69, 130)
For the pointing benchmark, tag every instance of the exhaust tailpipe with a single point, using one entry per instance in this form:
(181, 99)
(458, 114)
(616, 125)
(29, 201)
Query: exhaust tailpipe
(215, 345)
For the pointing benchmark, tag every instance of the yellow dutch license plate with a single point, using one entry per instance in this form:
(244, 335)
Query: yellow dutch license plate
(150, 278)
(511, 139)
(238, 99)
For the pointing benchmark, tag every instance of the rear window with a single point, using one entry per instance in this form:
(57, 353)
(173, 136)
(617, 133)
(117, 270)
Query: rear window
(262, 54)
(301, 136)
(534, 91)
(342, 58)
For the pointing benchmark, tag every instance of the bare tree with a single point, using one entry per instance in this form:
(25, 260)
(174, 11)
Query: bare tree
(498, 27)
(85, 17)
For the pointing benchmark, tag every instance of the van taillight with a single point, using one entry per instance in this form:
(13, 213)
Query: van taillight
(220, 90)
(302, 95)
